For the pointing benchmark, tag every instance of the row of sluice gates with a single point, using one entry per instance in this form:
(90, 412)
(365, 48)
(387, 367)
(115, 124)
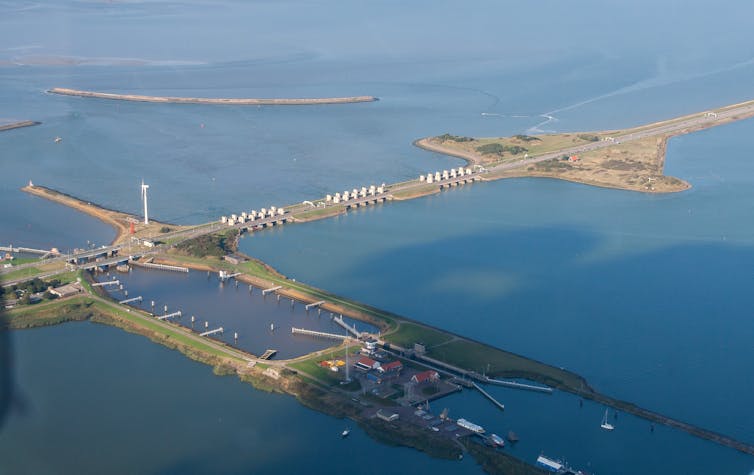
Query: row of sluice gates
(253, 215)
(445, 175)
(355, 194)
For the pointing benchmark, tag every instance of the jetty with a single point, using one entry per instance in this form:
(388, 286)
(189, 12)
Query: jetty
(213, 100)
(497, 403)
(170, 315)
(517, 385)
(18, 125)
(304, 331)
(152, 265)
(268, 354)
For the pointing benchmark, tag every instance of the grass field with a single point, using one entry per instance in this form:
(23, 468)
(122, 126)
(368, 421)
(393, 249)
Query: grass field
(494, 362)
(409, 333)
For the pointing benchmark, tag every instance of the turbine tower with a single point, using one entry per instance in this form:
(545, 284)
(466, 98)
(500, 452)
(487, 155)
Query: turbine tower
(144, 189)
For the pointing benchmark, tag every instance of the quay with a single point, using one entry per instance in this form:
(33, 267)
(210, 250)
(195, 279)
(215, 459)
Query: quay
(304, 331)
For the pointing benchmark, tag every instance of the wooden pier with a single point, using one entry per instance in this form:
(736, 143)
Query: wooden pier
(271, 289)
(315, 304)
(268, 354)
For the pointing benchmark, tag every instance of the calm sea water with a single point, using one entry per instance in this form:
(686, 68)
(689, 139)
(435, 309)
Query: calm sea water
(647, 296)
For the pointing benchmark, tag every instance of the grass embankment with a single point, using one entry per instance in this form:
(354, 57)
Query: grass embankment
(481, 358)
(318, 213)
(408, 333)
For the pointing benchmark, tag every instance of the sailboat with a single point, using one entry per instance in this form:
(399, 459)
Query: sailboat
(606, 425)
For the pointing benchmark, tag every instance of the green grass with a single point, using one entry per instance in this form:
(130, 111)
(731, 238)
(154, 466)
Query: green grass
(319, 212)
(409, 333)
(21, 273)
(23, 260)
(476, 357)
(311, 366)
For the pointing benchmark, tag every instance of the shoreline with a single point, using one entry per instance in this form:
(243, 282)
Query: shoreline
(18, 125)
(214, 101)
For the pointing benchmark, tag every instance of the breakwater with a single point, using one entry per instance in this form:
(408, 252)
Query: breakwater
(18, 125)
(212, 100)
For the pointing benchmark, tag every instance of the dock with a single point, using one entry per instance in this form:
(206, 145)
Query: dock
(212, 332)
(106, 282)
(315, 304)
(134, 299)
(268, 354)
(304, 331)
(271, 289)
(170, 315)
(152, 265)
(500, 405)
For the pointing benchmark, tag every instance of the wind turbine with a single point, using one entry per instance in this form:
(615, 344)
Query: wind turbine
(144, 189)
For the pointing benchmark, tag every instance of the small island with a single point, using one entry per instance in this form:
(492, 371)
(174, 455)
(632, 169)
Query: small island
(631, 159)
(212, 100)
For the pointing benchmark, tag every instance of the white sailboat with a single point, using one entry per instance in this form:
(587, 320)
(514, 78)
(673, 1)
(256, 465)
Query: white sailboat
(606, 425)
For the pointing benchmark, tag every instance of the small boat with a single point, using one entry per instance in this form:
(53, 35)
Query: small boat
(272, 327)
(606, 425)
(496, 441)
(58, 139)
(512, 437)
(345, 433)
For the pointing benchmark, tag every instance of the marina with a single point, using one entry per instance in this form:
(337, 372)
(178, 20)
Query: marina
(243, 316)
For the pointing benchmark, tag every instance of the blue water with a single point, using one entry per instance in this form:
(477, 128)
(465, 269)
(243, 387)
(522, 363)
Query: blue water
(161, 413)
(646, 296)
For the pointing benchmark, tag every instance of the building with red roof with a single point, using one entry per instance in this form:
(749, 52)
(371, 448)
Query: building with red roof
(367, 364)
(392, 367)
(426, 376)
